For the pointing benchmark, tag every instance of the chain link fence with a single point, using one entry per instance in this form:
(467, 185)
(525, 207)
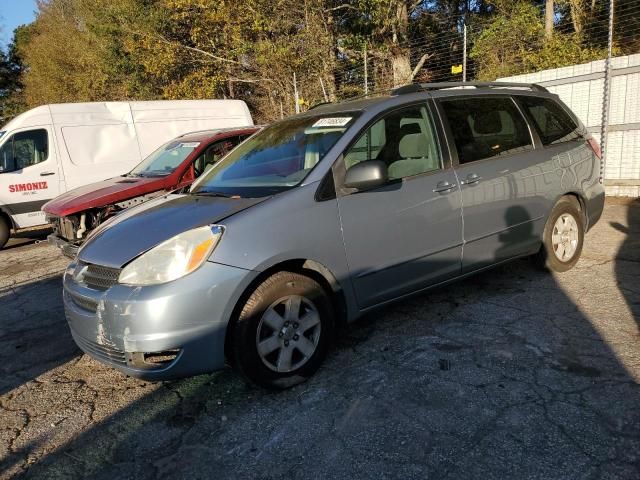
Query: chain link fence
(586, 52)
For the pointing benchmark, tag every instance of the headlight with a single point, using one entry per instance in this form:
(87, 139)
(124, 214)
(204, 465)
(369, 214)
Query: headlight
(173, 258)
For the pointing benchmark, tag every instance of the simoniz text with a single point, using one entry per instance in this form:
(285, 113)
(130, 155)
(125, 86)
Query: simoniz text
(28, 187)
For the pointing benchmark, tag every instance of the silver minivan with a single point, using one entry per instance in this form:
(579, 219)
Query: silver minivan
(325, 215)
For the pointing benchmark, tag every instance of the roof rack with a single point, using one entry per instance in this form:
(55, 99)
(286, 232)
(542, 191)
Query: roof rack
(316, 105)
(423, 87)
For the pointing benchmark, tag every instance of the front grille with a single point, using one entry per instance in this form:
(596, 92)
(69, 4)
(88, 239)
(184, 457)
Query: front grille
(99, 277)
(84, 302)
(102, 352)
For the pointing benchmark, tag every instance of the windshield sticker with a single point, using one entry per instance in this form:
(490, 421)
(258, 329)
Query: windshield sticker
(189, 145)
(332, 122)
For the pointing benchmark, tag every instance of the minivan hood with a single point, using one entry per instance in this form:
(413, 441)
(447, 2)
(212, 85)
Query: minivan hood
(141, 228)
(102, 193)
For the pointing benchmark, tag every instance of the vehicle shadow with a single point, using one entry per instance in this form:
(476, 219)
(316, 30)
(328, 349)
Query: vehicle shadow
(34, 335)
(24, 239)
(512, 373)
(627, 262)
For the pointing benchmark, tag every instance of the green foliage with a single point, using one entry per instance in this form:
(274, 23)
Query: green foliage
(514, 42)
(11, 71)
(93, 50)
(562, 50)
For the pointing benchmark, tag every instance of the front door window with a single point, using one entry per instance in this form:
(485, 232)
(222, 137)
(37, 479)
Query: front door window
(403, 139)
(23, 150)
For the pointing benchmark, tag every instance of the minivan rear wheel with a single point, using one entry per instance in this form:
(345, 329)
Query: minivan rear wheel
(563, 237)
(283, 332)
(5, 230)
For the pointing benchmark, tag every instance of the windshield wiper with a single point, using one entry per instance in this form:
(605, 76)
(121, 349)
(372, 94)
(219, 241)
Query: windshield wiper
(214, 194)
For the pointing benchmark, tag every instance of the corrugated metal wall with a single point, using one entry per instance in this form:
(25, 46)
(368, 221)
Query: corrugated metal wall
(581, 88)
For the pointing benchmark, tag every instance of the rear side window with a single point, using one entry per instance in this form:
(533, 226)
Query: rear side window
(486, 127)
(553, 124)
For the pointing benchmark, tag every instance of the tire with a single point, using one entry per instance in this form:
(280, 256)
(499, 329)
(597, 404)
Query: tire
(566, 252)
(287, 314)
(5, 230)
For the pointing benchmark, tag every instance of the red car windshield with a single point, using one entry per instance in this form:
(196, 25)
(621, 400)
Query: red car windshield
(165, 159)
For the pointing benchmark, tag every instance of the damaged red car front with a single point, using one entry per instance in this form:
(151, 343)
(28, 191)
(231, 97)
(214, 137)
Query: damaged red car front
(173, 166)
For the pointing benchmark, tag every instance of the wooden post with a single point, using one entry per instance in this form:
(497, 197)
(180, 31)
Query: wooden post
(366, 71)
(295, 93)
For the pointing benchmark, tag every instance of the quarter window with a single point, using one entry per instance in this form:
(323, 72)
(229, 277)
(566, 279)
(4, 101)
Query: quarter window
(403, 139)
(23, 150)
(553, 124)
(486, 127)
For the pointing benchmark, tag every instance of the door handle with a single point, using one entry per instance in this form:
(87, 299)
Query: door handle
(46, 174)
(471, 179)
(443, 187)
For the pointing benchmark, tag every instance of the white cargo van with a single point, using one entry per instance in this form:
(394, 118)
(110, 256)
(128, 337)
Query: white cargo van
(53, 148)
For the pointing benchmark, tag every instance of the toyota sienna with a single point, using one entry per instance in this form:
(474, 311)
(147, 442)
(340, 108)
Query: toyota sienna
(326, 215)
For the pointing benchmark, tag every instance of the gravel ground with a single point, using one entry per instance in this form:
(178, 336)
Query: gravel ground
(513, 373)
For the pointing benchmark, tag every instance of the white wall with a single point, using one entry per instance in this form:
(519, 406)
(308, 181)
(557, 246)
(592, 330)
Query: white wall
(581, 88)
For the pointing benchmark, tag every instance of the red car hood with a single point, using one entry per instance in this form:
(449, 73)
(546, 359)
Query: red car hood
(103, 193)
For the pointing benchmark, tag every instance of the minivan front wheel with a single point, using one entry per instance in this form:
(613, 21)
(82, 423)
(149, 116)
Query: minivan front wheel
(563, 237)
(283, 332)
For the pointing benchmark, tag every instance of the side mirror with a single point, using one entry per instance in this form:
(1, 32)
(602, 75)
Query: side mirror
(366, 175)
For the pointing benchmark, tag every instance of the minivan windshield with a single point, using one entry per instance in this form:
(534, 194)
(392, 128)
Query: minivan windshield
(275, 159)
(164, 160)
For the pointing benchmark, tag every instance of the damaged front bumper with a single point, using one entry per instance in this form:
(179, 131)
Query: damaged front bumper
(68, 249)
(156, 332)
(63, 231)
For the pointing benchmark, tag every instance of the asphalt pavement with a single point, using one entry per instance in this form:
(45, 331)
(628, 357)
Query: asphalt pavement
(513, 373)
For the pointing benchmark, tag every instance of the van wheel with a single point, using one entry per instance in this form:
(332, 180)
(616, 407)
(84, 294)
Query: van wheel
(5, 230)
(562, 238)
(283, 332)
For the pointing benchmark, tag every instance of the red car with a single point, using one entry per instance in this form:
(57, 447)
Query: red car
(174, 165)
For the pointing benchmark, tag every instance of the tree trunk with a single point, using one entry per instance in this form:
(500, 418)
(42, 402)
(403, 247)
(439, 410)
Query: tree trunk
(328, 75)
(548, 18)
(400, 60)
(578, 15)
(232, 93)
(401, 68)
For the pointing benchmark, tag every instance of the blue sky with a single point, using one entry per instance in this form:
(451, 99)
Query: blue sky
(12, 14)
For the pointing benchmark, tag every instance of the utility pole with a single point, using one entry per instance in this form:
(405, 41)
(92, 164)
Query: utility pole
(606, 93)
(295, 93)
(464, 55)
(366, 71)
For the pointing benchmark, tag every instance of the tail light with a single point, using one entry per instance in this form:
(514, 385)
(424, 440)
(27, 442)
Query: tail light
(593, 143)
(595, 147)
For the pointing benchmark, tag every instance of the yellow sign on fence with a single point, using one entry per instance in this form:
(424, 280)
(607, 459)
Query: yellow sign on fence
(456, 69)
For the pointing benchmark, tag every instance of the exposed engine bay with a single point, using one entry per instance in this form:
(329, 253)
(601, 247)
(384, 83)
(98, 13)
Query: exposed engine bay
(75, 228)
